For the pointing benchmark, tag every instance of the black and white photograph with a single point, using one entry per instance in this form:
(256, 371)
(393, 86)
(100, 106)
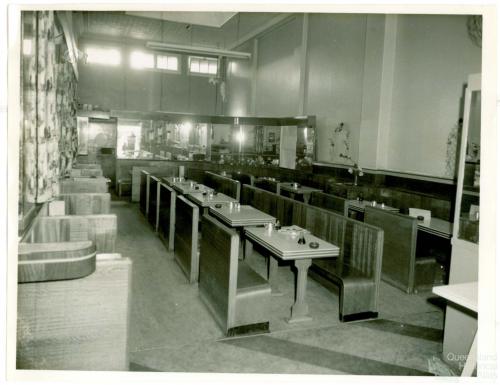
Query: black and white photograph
(286, 190)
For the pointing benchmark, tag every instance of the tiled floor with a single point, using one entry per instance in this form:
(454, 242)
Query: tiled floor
(172, 331)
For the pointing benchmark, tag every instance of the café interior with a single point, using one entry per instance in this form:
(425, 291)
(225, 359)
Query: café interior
(249, 192)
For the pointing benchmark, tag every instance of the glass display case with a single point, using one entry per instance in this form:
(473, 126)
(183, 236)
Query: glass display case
(469, 169)
(465, 239)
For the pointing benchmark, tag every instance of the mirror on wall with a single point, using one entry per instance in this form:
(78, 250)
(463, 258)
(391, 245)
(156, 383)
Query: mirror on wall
(226, 140)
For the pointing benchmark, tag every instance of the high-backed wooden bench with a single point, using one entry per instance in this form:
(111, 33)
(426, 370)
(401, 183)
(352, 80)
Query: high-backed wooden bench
(83, 185)
(85, 172)
(243, 178)
(86, 165)
(234, 293)
(77, 324)
(153, 206)
(401, 267)
(144, 192)
(330, 202)
(186, 237)
(358, 268)
(267, 184)
(166, 215)
(223, 184)
(156, 170)
(86, 203)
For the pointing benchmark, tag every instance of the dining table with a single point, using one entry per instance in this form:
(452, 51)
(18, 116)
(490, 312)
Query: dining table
(284, 244)
(296, 189)
(240, 217)
(207, 200)
(191, 187)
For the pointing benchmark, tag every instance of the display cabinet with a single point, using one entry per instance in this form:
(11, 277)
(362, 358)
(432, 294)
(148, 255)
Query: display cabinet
(460, 324)
(464, 261)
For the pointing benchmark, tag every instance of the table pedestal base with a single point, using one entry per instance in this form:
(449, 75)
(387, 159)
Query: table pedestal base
(272, 272)
(300, 309)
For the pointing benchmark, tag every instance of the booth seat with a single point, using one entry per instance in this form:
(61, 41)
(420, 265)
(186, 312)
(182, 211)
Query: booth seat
(357, 270)
(237, 296)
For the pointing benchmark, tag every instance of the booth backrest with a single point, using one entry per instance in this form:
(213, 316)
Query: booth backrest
(85, 172)
(166, 215)
(359, 242)
(223, 184)
(101, 229)
(144, 191)
(157, 170)
(153, 208)
(186, 237)
(400, 240)
(243, 178)
(219, 269)
(329, 202)
(86, 203)
(86, 165)
(83, 185)
(267, 184)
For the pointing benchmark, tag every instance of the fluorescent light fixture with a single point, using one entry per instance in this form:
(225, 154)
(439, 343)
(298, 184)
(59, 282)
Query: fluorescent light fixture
(140, 60)
(197, 50)
(105, 56)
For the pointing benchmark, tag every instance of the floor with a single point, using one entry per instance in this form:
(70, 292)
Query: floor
(172, 331)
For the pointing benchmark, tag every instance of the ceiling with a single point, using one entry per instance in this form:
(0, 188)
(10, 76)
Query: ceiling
(209, 19)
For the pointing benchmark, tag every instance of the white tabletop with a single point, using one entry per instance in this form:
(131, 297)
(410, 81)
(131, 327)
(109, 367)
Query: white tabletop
(243, 216)
(284, 243)
(463, 294)
(298, 190)
(360, 205)
(190, 187)
(437, 227)
(207, 200)
(171, 180)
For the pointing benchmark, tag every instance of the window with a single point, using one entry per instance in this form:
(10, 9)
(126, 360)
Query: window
(203, 65)
(167, 62)
(140, 60)
(104, 56)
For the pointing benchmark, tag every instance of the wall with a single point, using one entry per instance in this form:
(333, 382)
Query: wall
(395, 81)
(278, 70)
(335, 57)
(434, 56)
(147, 90)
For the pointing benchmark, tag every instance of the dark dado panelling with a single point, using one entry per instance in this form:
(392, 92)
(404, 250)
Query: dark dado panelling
(399, 192)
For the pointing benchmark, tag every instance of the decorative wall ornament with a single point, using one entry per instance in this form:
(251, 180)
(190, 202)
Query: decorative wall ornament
(451, 150)
(49, 109)
(475, 29)
(340, 147)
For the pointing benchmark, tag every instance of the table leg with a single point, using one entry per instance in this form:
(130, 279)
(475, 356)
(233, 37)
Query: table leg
(300, 309)
(248, 248)
(272, 271)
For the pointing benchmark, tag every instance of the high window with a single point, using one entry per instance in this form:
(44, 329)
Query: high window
(103, 56)
(203, 65)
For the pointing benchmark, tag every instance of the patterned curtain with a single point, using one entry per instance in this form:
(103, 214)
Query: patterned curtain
(49, 113)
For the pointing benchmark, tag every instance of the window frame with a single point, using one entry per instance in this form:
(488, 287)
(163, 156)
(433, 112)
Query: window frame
(98, 47)
(203, 74)
(166, 70)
